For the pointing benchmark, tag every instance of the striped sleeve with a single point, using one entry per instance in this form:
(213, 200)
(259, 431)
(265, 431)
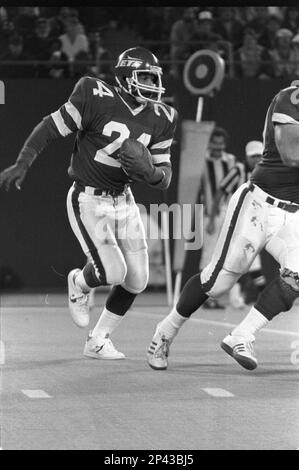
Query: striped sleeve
(161, 151)
(231, 180)
(72, 116)
(286, 107)
(161, 146)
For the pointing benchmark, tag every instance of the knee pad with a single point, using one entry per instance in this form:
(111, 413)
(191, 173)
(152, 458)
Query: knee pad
(217, 290)
(116, 272)
(137, 272)
(224, 281)
(137, 287)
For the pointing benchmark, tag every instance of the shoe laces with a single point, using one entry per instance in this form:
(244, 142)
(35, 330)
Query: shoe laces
(162, 350)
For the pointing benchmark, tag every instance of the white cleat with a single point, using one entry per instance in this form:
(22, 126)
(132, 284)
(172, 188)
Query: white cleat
(241, 349)
(101, 348)
(78, 301)
(158, 351)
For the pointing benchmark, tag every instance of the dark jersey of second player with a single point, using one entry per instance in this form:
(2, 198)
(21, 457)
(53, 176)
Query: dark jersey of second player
(103, 120)
(271, 174)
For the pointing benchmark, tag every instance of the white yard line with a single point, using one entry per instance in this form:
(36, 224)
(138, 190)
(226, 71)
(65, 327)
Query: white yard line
(36, 393)
(218, 392)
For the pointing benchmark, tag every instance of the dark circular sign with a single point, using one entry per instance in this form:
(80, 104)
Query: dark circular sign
(203, 72)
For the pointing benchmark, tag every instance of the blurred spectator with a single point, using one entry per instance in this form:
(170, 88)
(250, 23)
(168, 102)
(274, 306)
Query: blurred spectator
(153, 24)
(25, 21)
(181, 33)
(100, 55)
(171, 15)
(229, 27)
(154, 27)
(118, 36)
(58, 66)
(80, 66)
(6, 30)
(279, 12)
(268, 38)
(73, 40)
(204, 34)
(15, 53)
(127, 26)
(259, 23)
(95, 17)
(38, 45)
(250, 57)
(295, 56)
(247, 14)
(291, 20)
(218, 162)
(281, 56)
(58, 22)
(3, 14)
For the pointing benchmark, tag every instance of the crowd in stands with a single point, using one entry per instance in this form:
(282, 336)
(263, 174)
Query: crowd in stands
(59, 42)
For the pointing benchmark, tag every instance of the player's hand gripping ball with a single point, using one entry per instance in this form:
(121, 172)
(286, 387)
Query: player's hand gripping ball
(136, 160)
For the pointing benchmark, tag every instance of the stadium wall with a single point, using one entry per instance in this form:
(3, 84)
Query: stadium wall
(37, 246)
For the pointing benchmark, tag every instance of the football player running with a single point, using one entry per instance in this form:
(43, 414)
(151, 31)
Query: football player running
(123, 133)
(262, 213)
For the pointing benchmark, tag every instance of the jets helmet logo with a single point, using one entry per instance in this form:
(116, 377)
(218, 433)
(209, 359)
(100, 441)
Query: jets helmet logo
(130, 62)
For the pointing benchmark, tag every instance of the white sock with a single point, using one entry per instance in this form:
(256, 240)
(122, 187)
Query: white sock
(107, 323)
(252, 323)
(81, 283)
(171, 324)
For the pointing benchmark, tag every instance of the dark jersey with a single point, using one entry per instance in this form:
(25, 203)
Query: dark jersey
(103, 120)
(271, 174)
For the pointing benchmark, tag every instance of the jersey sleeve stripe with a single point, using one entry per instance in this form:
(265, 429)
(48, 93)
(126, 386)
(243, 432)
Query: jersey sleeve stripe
(282, 118)
(162, 145)
(231, 185)
(74, 113)
(164, 157)
(60, 124)
(230, 179)
(102, 157)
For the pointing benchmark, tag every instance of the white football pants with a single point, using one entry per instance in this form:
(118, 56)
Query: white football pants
(111, 234)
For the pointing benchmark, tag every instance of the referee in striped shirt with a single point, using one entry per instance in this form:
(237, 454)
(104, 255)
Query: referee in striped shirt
(218, 164)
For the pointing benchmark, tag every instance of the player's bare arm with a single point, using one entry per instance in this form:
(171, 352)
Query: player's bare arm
(287, 142)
